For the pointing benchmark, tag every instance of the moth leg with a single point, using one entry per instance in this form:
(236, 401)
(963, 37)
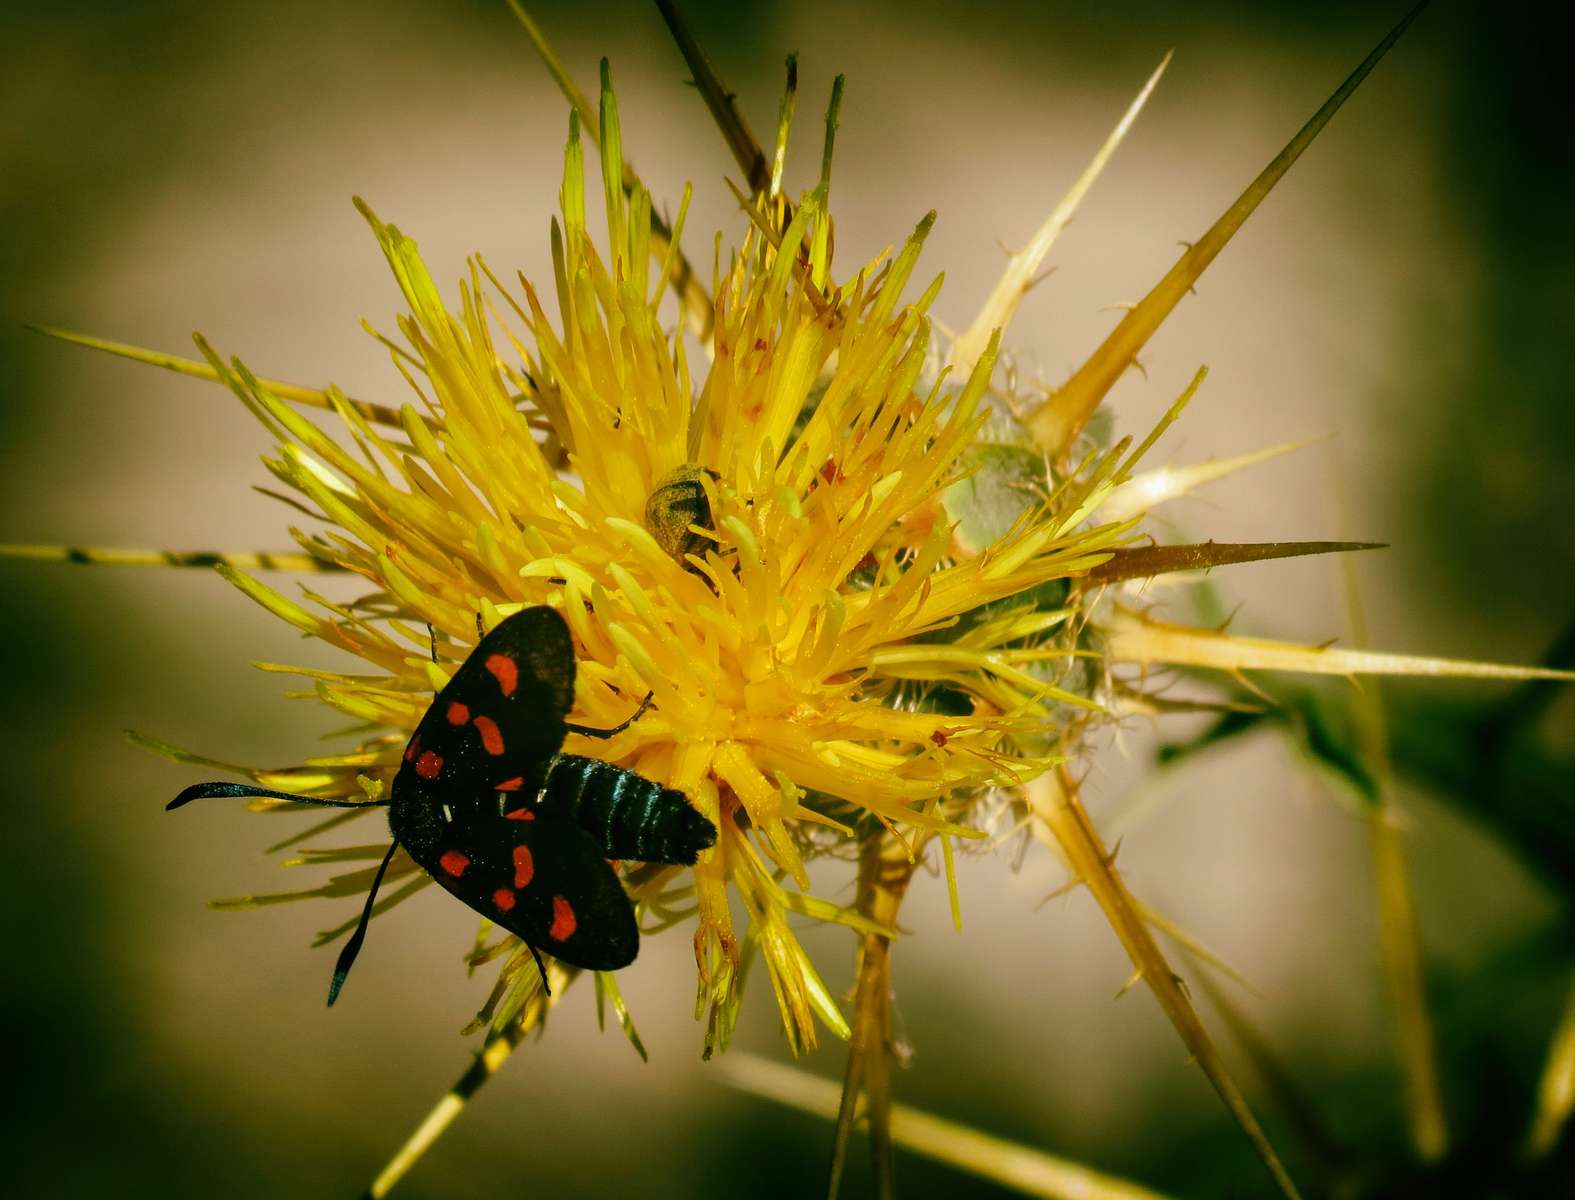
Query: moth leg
(432, 637)
(481, 630)
(616, 729)
(542, 968)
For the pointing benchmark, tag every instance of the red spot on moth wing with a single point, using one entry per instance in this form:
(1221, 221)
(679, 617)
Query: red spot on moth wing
(564, 922)
(505, 670)
(504, 899)
(510, 785)
(491, 735)
(414, 748)
(521, 814)
(428, 765)
(454, 863)
(458, 714)
(524, 866)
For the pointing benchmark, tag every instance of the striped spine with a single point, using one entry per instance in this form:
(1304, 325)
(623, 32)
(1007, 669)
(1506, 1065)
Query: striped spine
(114, 556)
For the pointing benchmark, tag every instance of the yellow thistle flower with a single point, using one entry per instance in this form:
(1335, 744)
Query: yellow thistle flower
(862, 592)
(783, 658)
(778, 656)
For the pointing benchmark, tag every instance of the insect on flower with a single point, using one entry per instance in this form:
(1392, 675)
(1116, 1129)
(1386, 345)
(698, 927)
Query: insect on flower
(486, 805)
(677, 507)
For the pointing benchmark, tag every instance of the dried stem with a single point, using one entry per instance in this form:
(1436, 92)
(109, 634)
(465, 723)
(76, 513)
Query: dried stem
(1021, 1168)
(1556, 1090)
(494, 1053)
(117, 556)
(1144, 562)
(1294, 1104)
(1399, 934)
(380, 414)
(695, 300)
(1053, 798)
(886, 868)
(746, 150)
(1412, 1024)
(1061, 418)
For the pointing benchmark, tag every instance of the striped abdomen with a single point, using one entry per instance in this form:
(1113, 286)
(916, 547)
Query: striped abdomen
(630, 816)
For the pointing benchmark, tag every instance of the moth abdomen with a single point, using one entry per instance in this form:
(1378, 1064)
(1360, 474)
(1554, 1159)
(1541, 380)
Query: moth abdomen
(628, 815)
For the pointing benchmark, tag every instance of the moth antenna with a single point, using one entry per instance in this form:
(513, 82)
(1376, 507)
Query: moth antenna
(432, 638)
(481, 630)
(546, 990)
(353, 946)
(232, 791)
(616, 729)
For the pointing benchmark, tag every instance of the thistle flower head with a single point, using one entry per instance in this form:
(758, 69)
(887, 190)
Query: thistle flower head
(790, 639)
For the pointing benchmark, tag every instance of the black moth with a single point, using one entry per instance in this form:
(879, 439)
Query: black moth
(486, 805)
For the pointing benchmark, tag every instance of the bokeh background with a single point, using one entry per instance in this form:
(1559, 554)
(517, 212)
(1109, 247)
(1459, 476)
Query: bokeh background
(166, 167)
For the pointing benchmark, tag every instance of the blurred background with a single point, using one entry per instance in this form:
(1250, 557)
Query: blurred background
(173, 166)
